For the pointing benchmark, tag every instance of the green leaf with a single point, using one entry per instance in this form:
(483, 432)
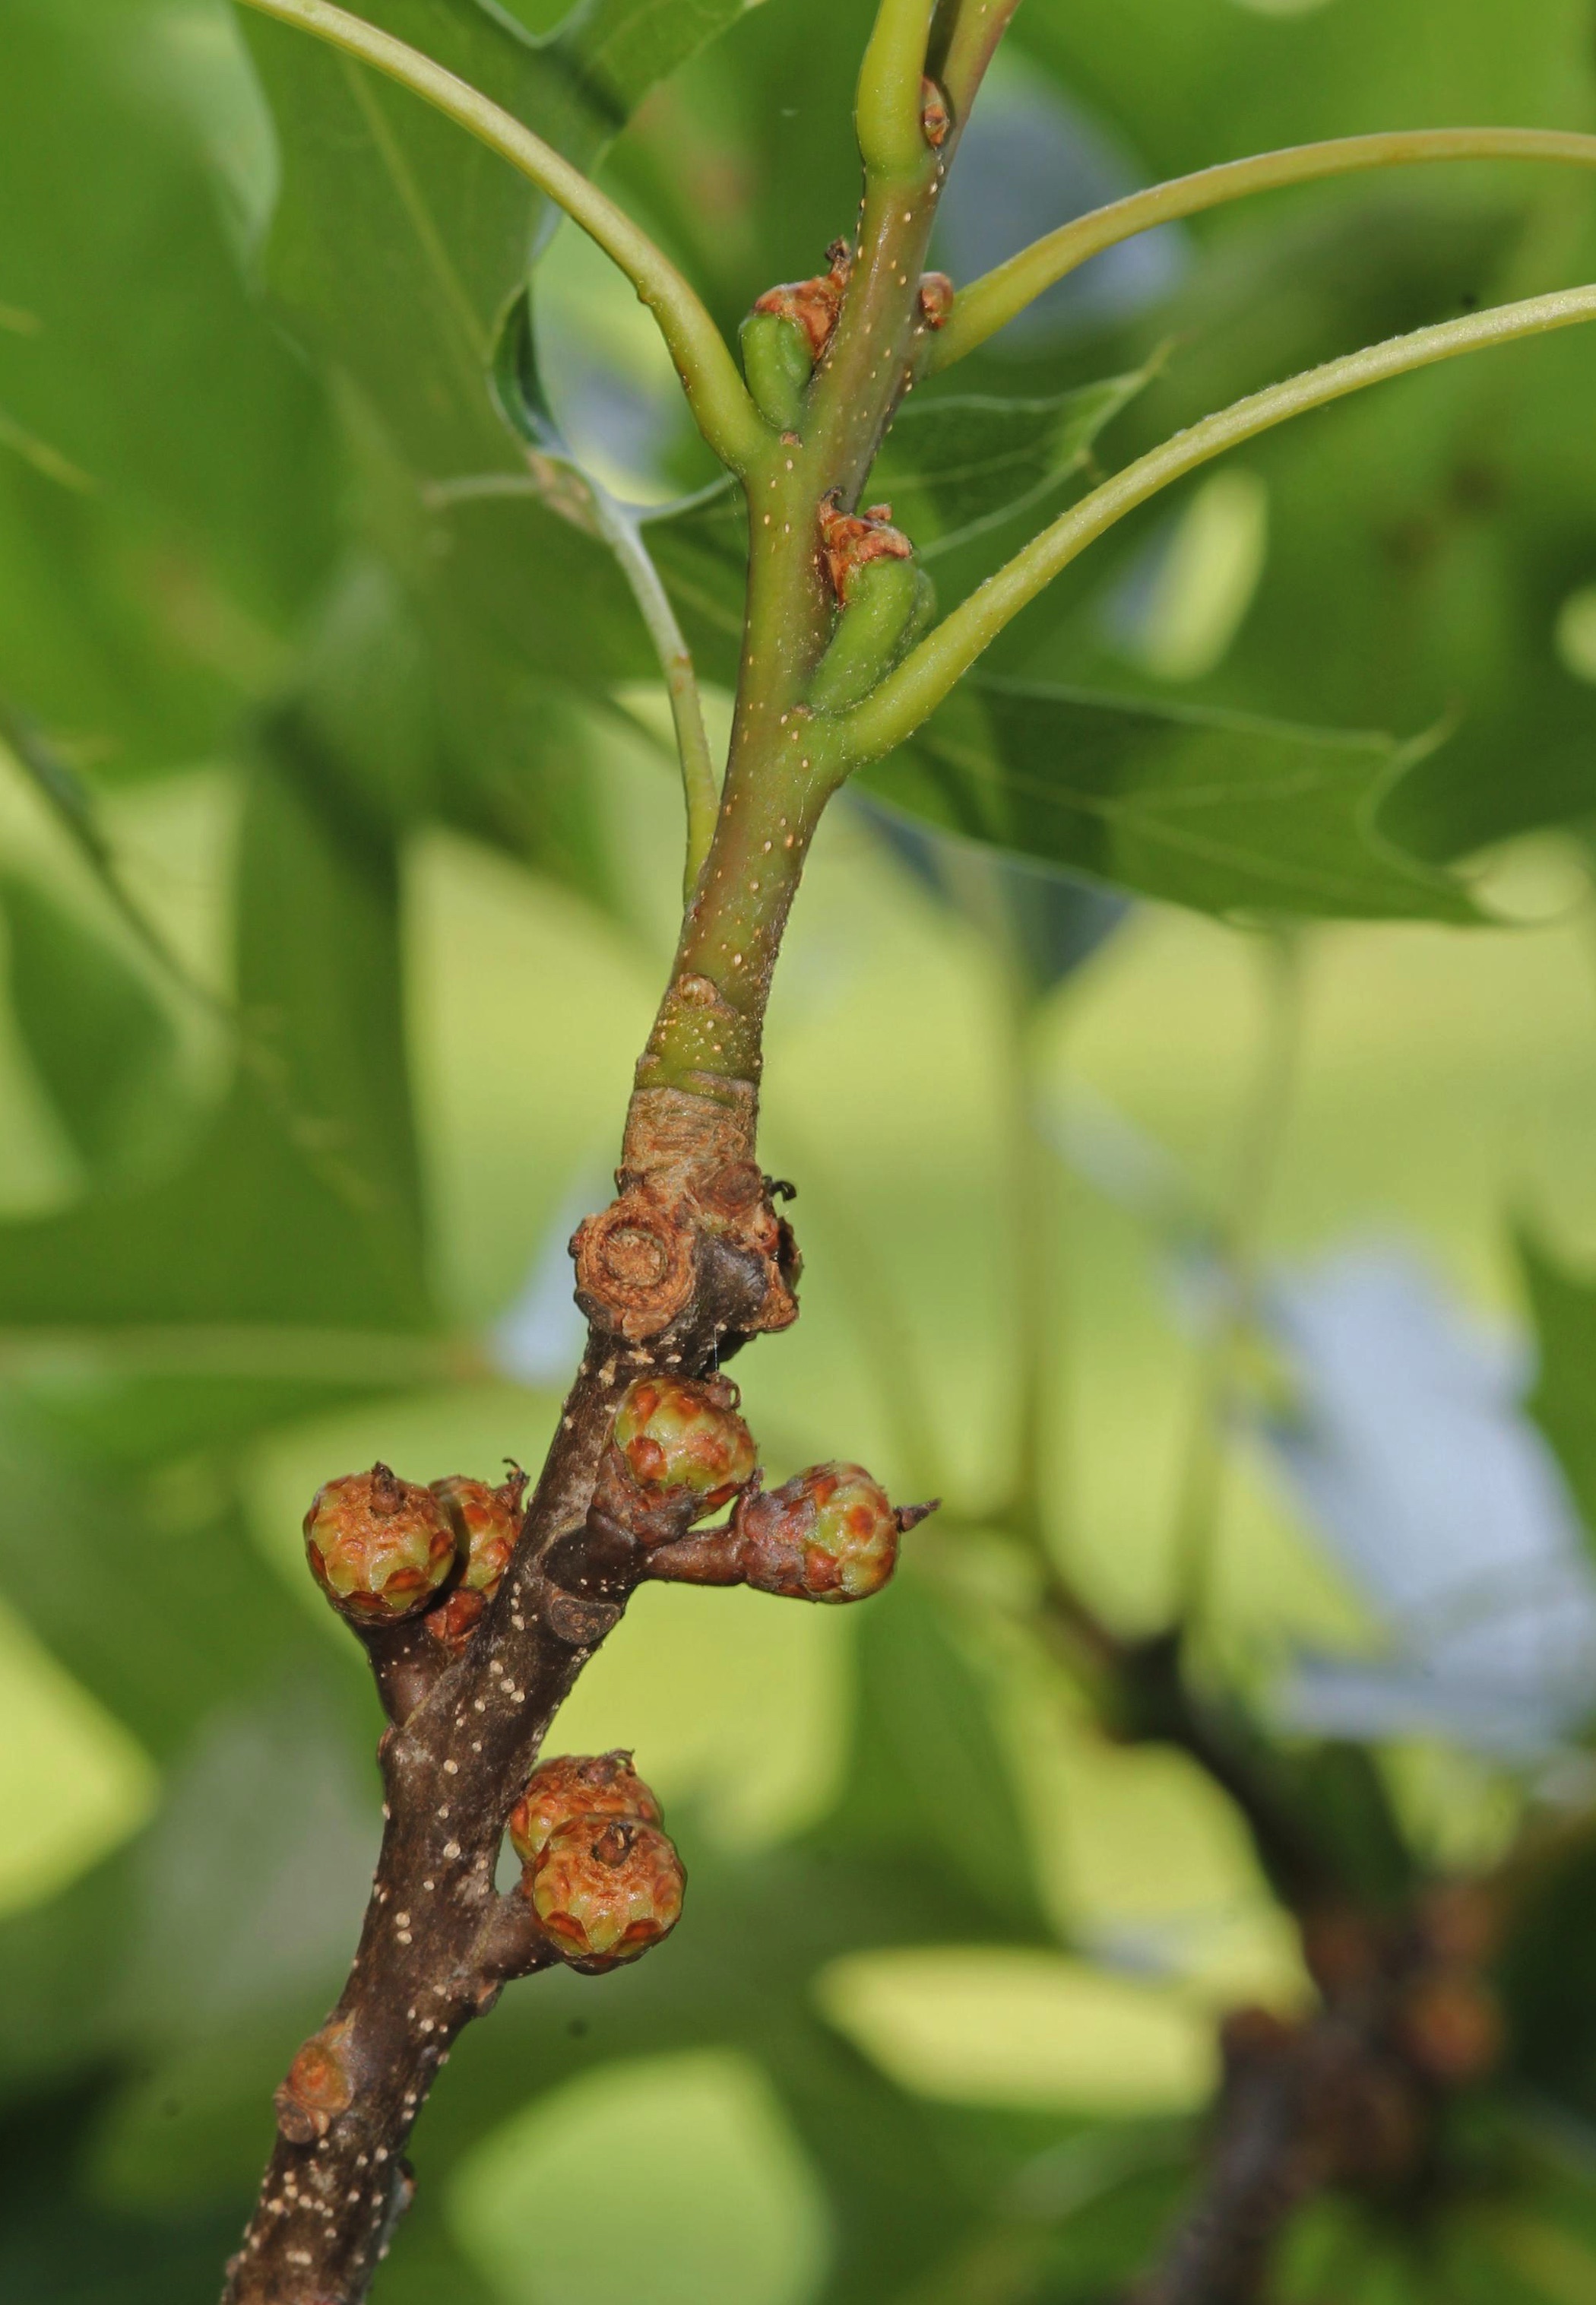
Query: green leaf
(1422, 540)
(1191, 83)
(146, 1588)
(71, 803)
(956, 466)
(137, 612)
(105, 1047)
(398, 239)
(929, 1765)
(1209, 809)
(58, 2242)
(1563, 1308)
(612, 53)
(419, 712)
(700, 548)
(303, 1203)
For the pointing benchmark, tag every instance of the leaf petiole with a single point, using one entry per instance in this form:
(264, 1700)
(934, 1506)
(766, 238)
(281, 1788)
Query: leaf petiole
(912, 692)
(989, 303)
(709, 376)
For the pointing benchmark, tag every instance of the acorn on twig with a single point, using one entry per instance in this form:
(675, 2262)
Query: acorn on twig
(829, 1534)
(678, 1450)
(379, 1547)
(487, 1522)
(606, 1889)
(576, 1785)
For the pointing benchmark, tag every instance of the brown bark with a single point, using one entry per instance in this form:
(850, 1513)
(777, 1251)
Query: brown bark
(438, 1941)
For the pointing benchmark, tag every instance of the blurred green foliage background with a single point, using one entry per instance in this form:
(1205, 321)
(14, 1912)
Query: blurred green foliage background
(338, 840)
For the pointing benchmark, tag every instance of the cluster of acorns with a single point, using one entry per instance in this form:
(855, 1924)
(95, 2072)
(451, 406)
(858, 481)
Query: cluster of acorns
(604, 1880)
(384, 1550)
(602, 1875)
(681, 1450)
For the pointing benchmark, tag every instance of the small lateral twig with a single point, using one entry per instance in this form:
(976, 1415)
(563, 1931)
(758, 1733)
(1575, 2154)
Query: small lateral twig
(1271, 2148)
(439, 1942)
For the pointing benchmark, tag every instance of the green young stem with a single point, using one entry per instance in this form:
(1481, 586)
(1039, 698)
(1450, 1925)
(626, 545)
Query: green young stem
(701, 786)
(964, 48)
(707, 1038)
(988, 304)
(886, 107)
(711, 379)
(891, 715)
(1257, 1162)
(784, 764)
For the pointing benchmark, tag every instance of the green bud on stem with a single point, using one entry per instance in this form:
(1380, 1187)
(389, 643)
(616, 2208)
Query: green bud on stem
(890, 603)
(778, 362)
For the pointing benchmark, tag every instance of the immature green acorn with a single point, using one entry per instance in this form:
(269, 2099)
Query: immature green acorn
(379, 1547)
(682, 1437)
(487, 1522)
(606, 1889)
(577, 1785)
(829, 1534)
